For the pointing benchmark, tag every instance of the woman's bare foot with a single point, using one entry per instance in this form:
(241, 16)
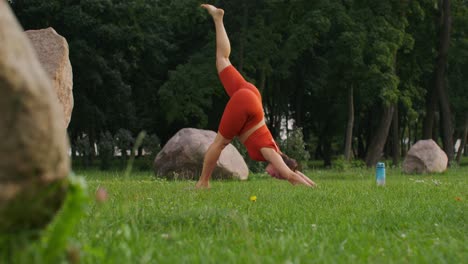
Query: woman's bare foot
(202, 185)
(216, 13)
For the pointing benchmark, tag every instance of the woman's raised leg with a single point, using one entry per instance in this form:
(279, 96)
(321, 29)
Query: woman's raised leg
(223, 46)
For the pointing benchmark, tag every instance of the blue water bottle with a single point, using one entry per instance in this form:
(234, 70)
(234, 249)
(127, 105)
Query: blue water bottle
(380, 174)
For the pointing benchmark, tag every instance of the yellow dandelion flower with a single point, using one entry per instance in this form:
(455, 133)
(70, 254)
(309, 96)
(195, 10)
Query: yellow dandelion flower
(253, 198)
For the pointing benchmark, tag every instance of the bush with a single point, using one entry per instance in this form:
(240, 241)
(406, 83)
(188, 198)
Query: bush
(343, 165)
(152, 146)
(83, 146)
(124, 141)
(106, 150)
(295, 147)
(357, 163)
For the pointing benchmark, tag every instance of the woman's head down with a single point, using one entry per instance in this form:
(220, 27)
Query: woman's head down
(291, 163)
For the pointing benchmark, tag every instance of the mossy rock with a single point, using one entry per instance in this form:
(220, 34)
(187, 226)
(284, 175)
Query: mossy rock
(34, 160)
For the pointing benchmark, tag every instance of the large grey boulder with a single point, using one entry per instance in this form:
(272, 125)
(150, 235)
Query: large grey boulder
(33, 148)
(425, 157)
(52, 51)
(182, 157)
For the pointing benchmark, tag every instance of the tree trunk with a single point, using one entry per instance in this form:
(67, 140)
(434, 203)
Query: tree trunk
(73, 146)
(402, 138)
(327, 152)
(463, 141)
(368, 132)
(73, 152)
(446, 116)
(277, 113)
(349, 127)
(318, 151)
(387, 150)
(378, 140)
(274, 117)
(436, 127)
(299, 100)
(140, 152)
(262, 82)
(395, 137)
(92, 153)
(361, 147)
(415, 135)
(410, 142)
(431, 101)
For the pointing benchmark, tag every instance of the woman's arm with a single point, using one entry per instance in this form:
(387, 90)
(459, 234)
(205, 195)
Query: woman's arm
(211, 157)
(285, 172)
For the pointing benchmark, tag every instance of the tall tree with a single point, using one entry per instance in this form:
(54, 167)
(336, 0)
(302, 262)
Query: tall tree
(349, 125)
(457, 71)
(440, 80)
(464, 136)
(395, 137)
(388, 17)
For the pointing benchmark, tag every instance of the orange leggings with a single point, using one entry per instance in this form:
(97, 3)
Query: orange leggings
(244, 110)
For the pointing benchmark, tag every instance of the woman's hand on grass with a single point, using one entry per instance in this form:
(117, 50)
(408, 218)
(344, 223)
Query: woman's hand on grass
(307, 179)
(295, 179)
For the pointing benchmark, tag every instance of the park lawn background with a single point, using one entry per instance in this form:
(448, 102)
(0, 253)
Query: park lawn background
(413, 219)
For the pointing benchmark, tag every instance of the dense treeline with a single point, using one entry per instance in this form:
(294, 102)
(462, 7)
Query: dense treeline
(360, 77)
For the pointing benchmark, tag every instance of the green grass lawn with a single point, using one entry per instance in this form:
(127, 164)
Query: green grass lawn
(347, 219)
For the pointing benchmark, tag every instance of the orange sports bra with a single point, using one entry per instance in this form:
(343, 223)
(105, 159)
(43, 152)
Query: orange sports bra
(260, 138)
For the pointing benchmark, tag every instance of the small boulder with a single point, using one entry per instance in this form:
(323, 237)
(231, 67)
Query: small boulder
(425, 157)
(182, 157)
(52, 52)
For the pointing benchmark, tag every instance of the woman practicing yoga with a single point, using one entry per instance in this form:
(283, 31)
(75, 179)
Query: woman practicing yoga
(243, 117)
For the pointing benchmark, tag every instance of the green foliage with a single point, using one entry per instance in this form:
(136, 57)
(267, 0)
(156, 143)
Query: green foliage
(150, 65)
(152, 144)
(295, 147)
(55, 239)
(187, 95)
(341, 164)
(106, 149)
(52, 244)
(458, 68)
(83, 146)
(138, 142)
(124, 141)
